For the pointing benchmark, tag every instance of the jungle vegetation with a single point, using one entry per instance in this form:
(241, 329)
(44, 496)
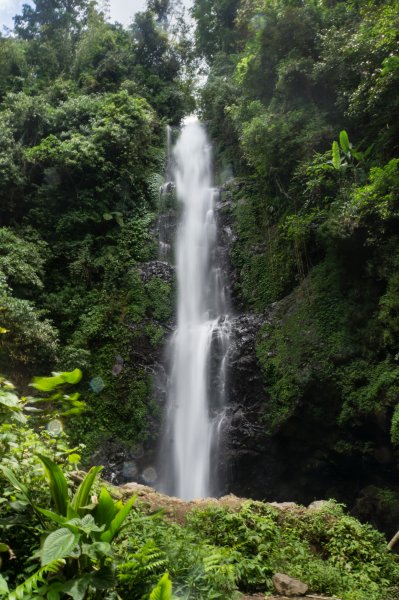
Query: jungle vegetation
(301, 99)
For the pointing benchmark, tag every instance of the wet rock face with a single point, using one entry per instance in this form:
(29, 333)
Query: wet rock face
(247, 464)
(157, 268)
(225, 240)
(122, 464)
(245, 382)
(166, 233)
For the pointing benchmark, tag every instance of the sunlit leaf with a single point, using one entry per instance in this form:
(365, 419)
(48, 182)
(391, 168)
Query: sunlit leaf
(336, 156)
(344, 142)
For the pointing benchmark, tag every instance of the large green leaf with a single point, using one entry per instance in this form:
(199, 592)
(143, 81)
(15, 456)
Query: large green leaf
(344, 142)
(72, 377)
(336, 156)
(3, 586)
(77, 588)
(100, 580)
(81, 498)
(58, 544)
(117, 521)
(52, 516)
(97, 550)
(48, 384)
(163, 591)
(58, 484)
(106, 509)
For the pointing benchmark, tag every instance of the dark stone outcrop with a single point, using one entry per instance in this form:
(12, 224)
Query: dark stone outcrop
(245, 460)
(157, 268)
(246, 383)
(225, 240)
(122, 464)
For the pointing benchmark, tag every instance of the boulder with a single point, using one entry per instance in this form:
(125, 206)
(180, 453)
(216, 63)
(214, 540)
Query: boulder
(318, 504)
(284, 505)
(289, 586)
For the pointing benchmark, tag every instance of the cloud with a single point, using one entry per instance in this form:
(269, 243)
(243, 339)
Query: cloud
(124, 10)
(8, 10)
(7, 4)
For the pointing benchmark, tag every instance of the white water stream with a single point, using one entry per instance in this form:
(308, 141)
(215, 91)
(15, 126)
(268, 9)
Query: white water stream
(198, 349)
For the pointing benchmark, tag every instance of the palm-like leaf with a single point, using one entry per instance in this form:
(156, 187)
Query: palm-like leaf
(3, 586)
(58, 484)
(163, 591)
(117, 521)
(344, 142)
(336, 156)
(81, 498)
(106, 508)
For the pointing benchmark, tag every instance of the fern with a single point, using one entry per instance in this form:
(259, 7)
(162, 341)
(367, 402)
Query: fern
(31, 585)
(219, 573)
(149, 560)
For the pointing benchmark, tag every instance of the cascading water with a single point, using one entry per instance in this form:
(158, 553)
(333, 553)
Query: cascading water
(199, 346)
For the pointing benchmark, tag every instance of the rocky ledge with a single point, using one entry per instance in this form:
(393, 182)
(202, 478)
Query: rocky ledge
(176, 509)
(307, 597)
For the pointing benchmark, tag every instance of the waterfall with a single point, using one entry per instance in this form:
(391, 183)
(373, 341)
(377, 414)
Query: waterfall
(199, 346)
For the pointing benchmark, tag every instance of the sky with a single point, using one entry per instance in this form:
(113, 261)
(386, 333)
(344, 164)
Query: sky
(121, 10)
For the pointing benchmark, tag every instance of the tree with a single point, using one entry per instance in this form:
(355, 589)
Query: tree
(52, 27)
(215, 26)
(47, 17)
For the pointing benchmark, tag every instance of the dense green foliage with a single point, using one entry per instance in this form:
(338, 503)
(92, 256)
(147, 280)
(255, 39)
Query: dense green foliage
(60, 540)
(302, 101)
(83, 106)
(302, 104)
(70, 534)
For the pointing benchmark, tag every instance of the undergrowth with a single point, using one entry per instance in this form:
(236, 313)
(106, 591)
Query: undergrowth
(220, 551)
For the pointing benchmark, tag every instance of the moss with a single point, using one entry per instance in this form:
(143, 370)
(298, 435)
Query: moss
(160, 298)
(119, 336)
(321, 336)
(261, 255)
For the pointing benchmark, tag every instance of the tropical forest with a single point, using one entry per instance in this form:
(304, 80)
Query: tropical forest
(199, 300)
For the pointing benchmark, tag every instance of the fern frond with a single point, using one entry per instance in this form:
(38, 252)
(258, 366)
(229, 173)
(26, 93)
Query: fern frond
(31, 585)
(213, 562)
(148, 561)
